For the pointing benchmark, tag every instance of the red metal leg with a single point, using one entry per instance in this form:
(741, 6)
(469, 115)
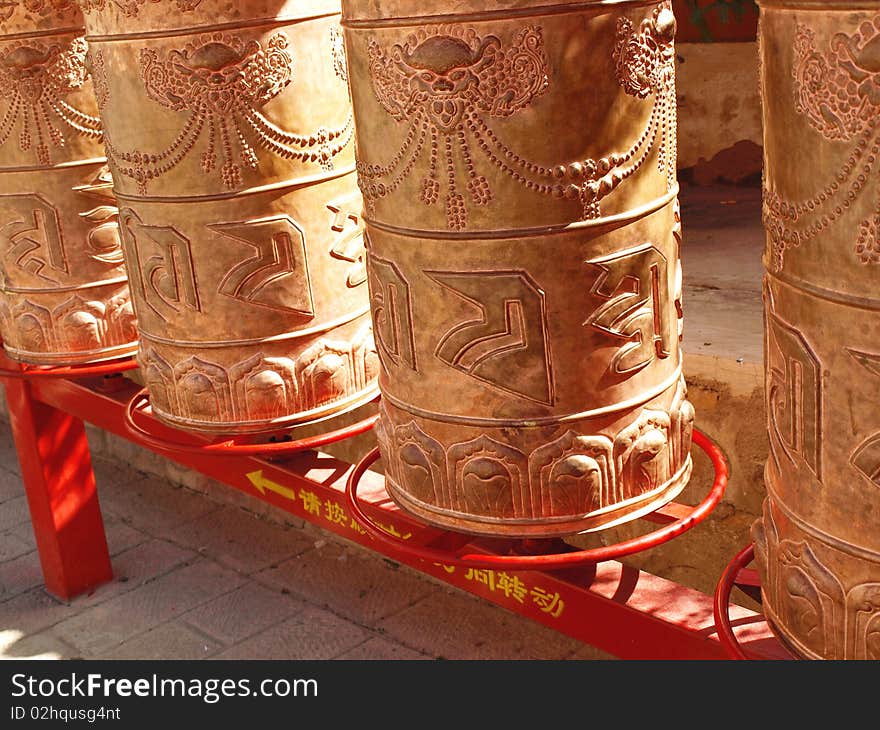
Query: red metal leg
(57, 470)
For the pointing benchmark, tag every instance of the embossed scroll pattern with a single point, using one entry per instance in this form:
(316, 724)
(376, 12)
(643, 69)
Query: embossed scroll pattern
(222, 81)
(38, 315)
(570, 476)
(837, 89)
(444, 81)
(793, 378)
(826, 618)
(260, 387)
(35, 76)
(75, 325)
(866, 457)
(103, 242)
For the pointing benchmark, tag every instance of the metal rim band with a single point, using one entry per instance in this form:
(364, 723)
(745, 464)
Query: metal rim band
(804, 287)
(317, 329)
(208, 28)
(116, 281)
(598, 7)
(611, 221)
(831, 541)
(58, 166)
(299, 182)
(538, 422)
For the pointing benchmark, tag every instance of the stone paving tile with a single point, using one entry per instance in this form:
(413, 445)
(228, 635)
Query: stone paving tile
(311, 634)
(382, 649)
(20, 574)
(243, 612)
(105, 626)
(136, 567)
(171, 640)
(14, 512)
(236, 539)
(152, 505)
(458, 626)
(11, 546)
(33, 611)
(111, 473)
(120, 536)
(44, 645)
(348, 581)
(11, 485)
(131, 568)
(8, 454)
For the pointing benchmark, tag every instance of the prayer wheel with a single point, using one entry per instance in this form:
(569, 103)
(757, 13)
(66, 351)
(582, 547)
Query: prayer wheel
(64, 296)
(818, 542)
(518, 172)
(229, 132)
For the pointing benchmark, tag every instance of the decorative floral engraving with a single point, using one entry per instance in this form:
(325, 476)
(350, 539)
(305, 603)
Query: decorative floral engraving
(821, 616)
(572, 475)
(337, 53)
(34, 79)
(131, 8)
(75, 325)
(103, 242)
(261, 388)
(223, 81)
(838, 91)
(445, 80)
(37, 7)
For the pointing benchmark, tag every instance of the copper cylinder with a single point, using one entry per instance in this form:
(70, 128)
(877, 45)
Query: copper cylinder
(229, 132)
(63, 292)
(818, 543)
(519, 181)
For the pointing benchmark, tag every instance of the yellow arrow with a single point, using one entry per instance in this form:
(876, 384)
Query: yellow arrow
(261, 484)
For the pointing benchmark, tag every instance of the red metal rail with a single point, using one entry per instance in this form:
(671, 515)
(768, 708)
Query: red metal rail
(736, 573)
(629, 613)
(544, 555)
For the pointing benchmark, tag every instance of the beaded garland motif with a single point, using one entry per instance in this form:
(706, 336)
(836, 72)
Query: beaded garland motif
(444, 81)
(222, 81)
(34, 79)
(838, 92)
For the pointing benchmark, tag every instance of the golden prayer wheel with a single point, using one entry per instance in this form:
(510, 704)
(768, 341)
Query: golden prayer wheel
(818, 543)
(229, 132)
(63, 292)
(518, 172)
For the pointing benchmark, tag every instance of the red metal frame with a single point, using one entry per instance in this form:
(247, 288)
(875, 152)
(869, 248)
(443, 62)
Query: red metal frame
(109, 367)
(546, 559)
(736, 573)
(231, 446)
(626, 612)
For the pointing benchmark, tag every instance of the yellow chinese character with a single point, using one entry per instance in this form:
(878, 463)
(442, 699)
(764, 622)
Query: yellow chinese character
(357, 528)
(487, 577)
(310, 501)
(335, 512)
(447, 568)
(511, 586)
(551, 603)
(392, 530)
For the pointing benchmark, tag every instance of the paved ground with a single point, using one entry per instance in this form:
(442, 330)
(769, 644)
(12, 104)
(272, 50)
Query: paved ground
(196, 578)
